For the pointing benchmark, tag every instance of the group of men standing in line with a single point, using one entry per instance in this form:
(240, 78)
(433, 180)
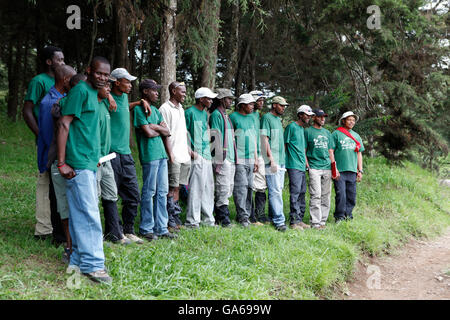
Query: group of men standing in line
(82, 124)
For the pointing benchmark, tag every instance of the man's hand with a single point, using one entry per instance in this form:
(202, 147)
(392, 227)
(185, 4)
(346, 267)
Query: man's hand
(338, 175)
(66, 171)
(171, 157)
(112, 103)
(147, 108)
(256, 166)
(359, 177)
(273, 166)
(194, 155)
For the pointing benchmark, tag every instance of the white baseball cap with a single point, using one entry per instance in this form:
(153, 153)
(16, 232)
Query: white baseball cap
(204, 92)
(257, 94)
(305, 109)
(246, 98)
(121, 73)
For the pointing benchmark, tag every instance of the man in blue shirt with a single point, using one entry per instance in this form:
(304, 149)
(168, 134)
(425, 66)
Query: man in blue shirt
(63, 74)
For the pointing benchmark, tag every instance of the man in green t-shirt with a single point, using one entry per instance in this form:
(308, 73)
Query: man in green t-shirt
(247, 157)
(318, 154)
(348, 148)
(294, 138)
(258, 215)
(200, 201)
(78, 143)
(272, 149)
(153, 157)
(52, 57)
(224, 158)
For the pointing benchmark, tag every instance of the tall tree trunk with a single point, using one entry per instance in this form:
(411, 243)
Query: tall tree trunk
(234, 44)
(211, 8)
(122, 32)
(239, 73)
(168, 49)
(94, 32)
(14, 77)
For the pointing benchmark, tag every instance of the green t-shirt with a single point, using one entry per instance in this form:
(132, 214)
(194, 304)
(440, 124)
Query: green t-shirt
(150, 149)
(120, 125)
(245, 135)
(257, 119)
(271, 127)
(344, 151)
(105, 127)
(216, 123)
(37, 89)
(318, 142)
(294, 138)
(83, 142)
(197, 126)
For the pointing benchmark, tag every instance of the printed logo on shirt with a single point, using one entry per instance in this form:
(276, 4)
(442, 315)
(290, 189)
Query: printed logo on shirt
(347, 143)
(321, 142)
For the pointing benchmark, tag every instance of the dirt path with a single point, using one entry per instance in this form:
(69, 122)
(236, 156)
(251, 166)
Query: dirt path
(420, 270)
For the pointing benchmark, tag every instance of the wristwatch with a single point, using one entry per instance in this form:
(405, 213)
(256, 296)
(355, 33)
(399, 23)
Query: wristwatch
(360, 171)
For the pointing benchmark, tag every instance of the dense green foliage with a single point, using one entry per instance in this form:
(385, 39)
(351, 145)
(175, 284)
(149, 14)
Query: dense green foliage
(394, 204)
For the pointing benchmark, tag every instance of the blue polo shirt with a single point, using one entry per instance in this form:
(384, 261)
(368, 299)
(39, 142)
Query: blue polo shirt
(45, 124)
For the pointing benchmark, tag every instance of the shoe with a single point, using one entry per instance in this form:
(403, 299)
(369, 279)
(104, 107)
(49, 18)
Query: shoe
(304, 225)
(99, 276)
(281, 228)
(296, 226)
(133, 238)
(168, 235)
(149, 236)
(322, 227)
(173, 229)
(192, 226)
(257, 224)
(124, 241)
(66, 256)
(245, 224)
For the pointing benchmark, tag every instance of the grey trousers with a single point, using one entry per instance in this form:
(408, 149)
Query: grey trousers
(200, 201)
(224, 183)
(320, 191)
(242, 193)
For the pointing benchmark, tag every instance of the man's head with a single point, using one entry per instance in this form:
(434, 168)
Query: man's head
(319, 117)
(98, 72)
(63, 74)
(304, 113)
(278, 105)
(225, 96)
(52, 57)
(104, 91)
(77, 78)
(259, 98)
(177, 91)
(246, 103)
(204, 97)
(123, 80)
(149, 90)
(348, 120)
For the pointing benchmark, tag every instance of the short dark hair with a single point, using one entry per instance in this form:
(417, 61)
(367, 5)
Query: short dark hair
(48, 52)
(77, 78)
(98, 59)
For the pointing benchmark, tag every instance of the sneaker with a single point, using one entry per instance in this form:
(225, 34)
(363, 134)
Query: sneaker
(133, 238)
(257, 224)
(124, 241)
(99, 276)
(149, 236)
(192, 226)
(296, 226)
(281, 228)
(173, 229)
(245, 224)
(304, 225)
(168, 235)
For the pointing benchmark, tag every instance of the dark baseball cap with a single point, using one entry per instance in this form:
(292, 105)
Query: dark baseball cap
(320, 113)
(149, 84)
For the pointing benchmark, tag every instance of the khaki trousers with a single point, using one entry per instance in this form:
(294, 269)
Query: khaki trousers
(43, 220)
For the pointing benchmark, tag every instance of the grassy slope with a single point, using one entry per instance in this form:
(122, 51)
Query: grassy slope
(394, 203)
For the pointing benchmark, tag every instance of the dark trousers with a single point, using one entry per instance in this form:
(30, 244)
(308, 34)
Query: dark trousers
(112, 230)
(345, 200)
(128, 189)
(58, 232)
(258, 212)
(297, 190)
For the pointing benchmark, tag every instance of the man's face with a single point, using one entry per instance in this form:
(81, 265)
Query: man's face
(227, 102)
(248, 108)
(104, 91)
(278, 108)
(99, 74)
(259, 104)
(56, 61)
(349, 122)
(205, 102)
(304, 117)
(124, 85)
(179, 94)
(151, 94)
(319, 120)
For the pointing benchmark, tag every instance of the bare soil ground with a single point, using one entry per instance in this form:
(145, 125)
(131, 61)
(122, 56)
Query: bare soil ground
(419, 271)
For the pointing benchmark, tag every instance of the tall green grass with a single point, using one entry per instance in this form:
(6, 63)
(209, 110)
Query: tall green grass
(393, 205)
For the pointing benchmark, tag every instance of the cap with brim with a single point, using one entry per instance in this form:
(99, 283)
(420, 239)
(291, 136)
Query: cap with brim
(320, 113)
(224, 93)
(348, 114)
(257, 94)
(305, 109)
(204, 92)
(279, 100)
(246, 98)
(121, 73)
(149, 84)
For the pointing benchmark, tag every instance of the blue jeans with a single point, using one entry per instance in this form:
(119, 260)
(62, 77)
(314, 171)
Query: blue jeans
(345, 200)
(84, 222)
(275, 183)
(154, 216)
